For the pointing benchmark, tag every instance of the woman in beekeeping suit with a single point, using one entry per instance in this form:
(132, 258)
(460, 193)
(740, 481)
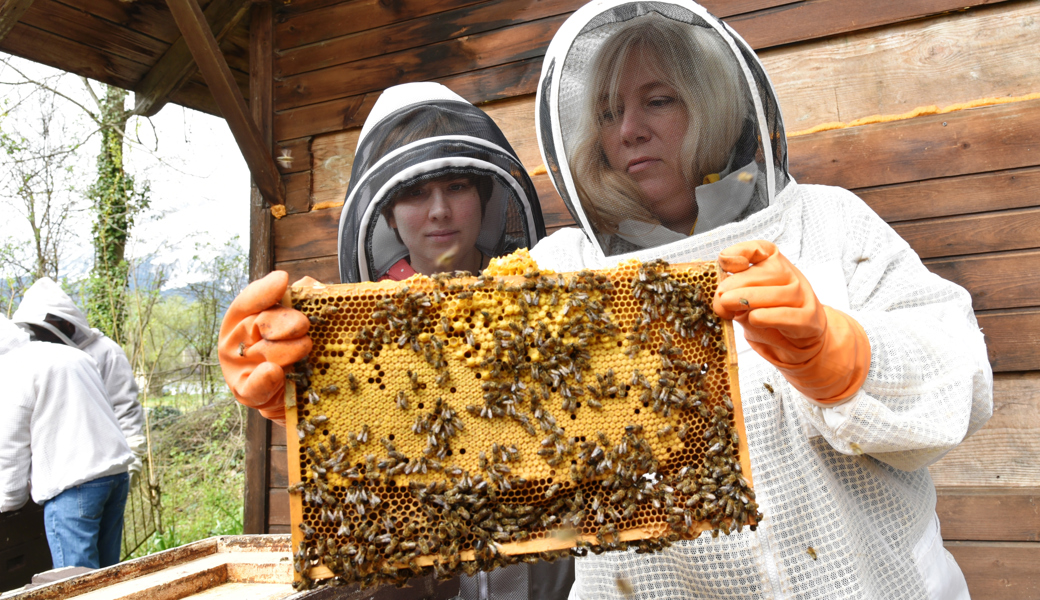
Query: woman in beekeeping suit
(435, 186)
(858, 367)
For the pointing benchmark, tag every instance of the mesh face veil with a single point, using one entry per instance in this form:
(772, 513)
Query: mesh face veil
(657, 122)
(435, 182)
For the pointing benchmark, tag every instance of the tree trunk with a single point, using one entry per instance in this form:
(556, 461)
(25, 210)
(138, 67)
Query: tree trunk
(115, 203)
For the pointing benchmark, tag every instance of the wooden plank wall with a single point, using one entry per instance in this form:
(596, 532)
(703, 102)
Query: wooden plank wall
(962, 187)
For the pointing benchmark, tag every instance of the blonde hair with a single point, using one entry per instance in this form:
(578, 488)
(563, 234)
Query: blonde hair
(701, 68)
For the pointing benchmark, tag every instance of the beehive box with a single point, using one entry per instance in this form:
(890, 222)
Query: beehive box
(241, 567)
(462, 424)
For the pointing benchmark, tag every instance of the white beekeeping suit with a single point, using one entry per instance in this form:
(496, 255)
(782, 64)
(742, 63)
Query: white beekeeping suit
(46, 297)
(58, 430)
(848, 503)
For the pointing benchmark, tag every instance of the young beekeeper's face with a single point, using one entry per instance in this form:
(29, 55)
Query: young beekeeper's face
(643, 137)
(437, 221)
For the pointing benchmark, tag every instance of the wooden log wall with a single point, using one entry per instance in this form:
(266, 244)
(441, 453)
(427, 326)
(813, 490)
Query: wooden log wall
(963, 187)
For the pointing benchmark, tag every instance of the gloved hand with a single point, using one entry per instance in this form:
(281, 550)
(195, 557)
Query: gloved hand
(134, 470)
(138, 446)
(823, 352)
(258, 339)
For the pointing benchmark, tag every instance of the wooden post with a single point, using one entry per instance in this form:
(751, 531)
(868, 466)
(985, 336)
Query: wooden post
(261, 74)
(261, 259)
(207, 55)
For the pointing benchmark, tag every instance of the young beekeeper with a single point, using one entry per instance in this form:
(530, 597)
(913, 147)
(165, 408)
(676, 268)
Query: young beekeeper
(416, 134)
(60, 441)
(858, 367)
(435, 186)
(51, 315)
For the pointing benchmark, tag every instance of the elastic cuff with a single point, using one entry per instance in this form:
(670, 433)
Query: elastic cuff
(839, 369)
(846, 334)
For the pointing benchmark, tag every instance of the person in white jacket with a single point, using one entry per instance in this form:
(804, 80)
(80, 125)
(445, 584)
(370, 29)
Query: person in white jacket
(60, 441)
(858, 367)
(51, 314)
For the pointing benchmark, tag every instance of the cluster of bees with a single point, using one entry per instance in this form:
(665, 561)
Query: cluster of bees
(480, 422)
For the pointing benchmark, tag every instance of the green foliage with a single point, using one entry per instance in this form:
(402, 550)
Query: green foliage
(220, 279)
(115, 202)
(199, 462)
(172, 338)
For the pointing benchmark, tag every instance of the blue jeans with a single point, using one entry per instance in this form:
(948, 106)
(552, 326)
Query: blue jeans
(84, 523)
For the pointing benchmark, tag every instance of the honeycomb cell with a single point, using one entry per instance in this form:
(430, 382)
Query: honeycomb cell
(451, 424)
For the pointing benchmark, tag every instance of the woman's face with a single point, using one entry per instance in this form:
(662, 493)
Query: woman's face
(439, 221)
(644, 137)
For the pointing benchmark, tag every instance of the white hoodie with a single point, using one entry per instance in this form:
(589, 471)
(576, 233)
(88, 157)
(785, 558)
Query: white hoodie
(46, 297)
(57, 429)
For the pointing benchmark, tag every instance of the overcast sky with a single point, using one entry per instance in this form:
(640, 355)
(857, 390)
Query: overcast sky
(199, 181)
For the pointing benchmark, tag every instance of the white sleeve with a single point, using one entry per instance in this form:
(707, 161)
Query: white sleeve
(930, 383)
(15, 451)
(122, 393)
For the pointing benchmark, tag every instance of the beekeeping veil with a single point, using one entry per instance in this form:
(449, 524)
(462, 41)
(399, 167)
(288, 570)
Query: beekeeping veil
(417, 132)
(733, 154)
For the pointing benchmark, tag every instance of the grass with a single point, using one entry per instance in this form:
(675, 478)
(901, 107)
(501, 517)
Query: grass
(198, 457)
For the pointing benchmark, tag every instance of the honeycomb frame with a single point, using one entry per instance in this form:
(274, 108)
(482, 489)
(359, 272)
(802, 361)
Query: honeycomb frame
(385, 450)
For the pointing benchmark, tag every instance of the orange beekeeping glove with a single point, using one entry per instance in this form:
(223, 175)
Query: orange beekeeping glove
(823, 352)
(258, 339)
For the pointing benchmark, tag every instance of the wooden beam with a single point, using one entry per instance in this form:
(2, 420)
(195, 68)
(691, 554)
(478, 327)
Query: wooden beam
(10, 12)
(176, 65)
(995, 281)
(1000, 457)
(1013, 341)
(261, 254)
(999, 570)
(1014, 515)
(221, 83)
(979, 140)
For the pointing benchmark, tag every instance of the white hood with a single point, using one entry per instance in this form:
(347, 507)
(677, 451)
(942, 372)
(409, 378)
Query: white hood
(11, 336)
(46, 297)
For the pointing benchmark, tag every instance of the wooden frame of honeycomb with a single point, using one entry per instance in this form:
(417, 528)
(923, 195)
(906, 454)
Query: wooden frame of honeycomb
(461, 424)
